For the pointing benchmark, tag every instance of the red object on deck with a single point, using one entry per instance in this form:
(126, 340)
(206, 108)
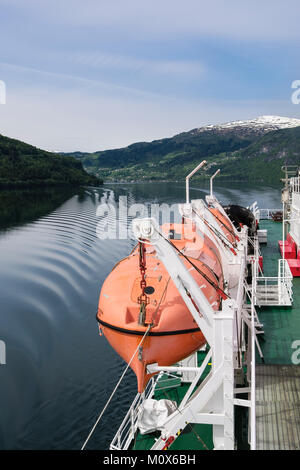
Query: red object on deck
(289, 249)
(261, 263)
(294, 265)
(290, 239)
(291, 254)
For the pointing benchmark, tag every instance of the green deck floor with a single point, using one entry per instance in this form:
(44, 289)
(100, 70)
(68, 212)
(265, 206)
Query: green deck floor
(282, 328)
(196, 436)
(281, 324)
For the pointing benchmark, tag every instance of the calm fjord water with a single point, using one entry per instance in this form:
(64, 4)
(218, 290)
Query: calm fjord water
(59, 373)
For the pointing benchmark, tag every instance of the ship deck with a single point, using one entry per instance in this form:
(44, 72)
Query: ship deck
(277, 419)
(194, 436)
(277, 407)
(278, 379)
(281, 324)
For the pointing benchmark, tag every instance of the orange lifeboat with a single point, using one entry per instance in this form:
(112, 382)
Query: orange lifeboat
(174, 334)
(225, 225)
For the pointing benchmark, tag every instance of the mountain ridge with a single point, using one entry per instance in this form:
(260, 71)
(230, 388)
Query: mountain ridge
(236, 147)
(262, 124)
(23, 165)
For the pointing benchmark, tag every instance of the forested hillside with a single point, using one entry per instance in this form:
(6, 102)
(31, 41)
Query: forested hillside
(22, 165)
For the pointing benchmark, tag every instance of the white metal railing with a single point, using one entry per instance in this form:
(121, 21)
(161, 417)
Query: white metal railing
(254, 243)
(127, 429)
(266, 290)
(126, 432)
(267, 213)
(252, 374)
(255, 210)
(285, 280)
(295, 184)
(271, 290)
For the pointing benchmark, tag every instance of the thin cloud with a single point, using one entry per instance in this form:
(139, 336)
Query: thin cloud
(171, 68)
(67, 77)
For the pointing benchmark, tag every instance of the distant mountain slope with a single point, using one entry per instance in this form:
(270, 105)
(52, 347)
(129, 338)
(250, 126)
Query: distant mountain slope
(228, 146)
(259, 126)
(263, 159)
(24, 165)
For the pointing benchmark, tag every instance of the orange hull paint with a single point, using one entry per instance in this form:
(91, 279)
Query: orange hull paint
(225, 225)
(174, 334)
(165, 350)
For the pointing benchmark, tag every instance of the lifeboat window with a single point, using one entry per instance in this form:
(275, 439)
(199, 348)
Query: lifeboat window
(149, 290)
(174, 235)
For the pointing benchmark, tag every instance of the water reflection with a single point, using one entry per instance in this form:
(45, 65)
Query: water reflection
(18, 207)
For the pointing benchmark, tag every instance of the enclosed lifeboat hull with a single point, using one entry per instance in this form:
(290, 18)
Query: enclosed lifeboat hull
(174, 333)
(225, 225)
(165, 349)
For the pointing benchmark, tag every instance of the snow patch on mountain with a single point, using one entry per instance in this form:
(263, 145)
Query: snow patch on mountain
(262, 125)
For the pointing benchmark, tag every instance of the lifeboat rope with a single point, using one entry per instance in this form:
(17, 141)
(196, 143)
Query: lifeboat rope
(115, 389)
(210, 281)
(128, 365)
(218, 234)
(226, 226)
(160, 301)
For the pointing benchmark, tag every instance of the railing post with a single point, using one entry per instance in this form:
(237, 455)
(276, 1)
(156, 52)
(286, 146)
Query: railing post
(253, 403)
(132, 422)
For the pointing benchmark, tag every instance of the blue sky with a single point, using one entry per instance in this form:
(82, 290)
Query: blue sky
(95, 74)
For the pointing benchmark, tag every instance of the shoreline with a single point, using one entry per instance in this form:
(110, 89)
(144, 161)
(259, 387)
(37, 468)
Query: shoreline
(194, 181)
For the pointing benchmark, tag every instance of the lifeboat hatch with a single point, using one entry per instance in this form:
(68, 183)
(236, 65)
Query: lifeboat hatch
(149, 290)
(155, 289)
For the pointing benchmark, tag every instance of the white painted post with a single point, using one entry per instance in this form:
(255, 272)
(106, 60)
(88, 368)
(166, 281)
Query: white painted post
(187, 179)
(2, 352)
(253, 399)
(211, 181)
(223, 356)
(283, 231)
